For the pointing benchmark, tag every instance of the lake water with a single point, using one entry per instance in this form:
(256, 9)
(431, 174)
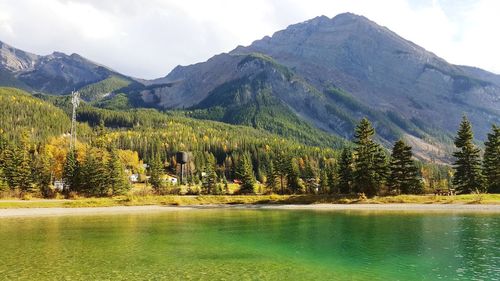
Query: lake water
(222, 244)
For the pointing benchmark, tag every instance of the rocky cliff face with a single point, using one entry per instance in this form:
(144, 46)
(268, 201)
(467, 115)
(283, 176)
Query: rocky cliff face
(56, 73)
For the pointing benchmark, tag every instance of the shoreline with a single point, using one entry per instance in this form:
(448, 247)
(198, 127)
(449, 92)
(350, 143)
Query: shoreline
(401, 207)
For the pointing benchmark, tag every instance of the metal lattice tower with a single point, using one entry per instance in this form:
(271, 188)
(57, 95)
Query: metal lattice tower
(75, 101)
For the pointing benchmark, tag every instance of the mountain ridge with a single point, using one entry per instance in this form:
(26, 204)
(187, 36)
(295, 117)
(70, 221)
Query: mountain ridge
(323, 74)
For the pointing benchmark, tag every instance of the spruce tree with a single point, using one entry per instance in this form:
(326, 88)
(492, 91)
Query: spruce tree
(156, 171)
(403, 173)
(93, 180)
(323, 182)
(71, 172)
(281, 166)
(370, 166)
(345, 171)
(117, 179)
(209, 181)
(491, 162)
(333, 186)
(245, 173)
(271, 182)
(294, 183)
(468, 177)
(43, 175)
(17, 169)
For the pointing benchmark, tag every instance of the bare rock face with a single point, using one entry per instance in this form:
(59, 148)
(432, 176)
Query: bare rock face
(385, 72)
(56, 73)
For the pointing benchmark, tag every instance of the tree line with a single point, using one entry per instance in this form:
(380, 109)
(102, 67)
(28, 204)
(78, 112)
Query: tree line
(113, 145)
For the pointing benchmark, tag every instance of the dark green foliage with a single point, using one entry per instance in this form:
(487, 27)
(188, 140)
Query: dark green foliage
(245, 173)
(281, 169)
(295, 184)
(209, 180)
(370, 161)
(156, 172)
(491, 163)
(16, 165)
(324, 182)
(117, 179)
(99, 89)
(116, 102)
(346, 171)
(93, 174)
(19, 112)
(403, 173)
(468, 177)
(43, 175)
(71, 172)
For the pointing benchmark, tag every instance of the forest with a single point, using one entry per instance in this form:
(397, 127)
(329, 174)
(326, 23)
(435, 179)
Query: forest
(114, 145)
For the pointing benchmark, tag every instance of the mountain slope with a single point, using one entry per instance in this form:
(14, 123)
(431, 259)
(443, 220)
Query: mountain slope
(56, 73)
(385, 71)
(340, 70)
(22, 113)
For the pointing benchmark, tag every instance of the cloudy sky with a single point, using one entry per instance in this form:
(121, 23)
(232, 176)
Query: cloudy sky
(147, 39)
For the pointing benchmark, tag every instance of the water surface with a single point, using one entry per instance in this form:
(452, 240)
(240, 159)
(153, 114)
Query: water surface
(222, 244)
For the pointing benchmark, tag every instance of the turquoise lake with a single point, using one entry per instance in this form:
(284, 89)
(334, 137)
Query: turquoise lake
(238, 244)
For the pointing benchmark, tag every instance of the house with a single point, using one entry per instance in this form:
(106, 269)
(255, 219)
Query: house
(59, 185)
(134, 177)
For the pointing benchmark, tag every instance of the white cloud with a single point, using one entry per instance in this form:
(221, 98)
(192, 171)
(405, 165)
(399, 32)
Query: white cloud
(149, 38)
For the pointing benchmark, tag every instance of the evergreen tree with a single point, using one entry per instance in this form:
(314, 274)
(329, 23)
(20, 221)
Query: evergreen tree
(369, 163)
(93, 180)
(43, 175)
(295, 184)
(323, 182)
(380, 166)
(346, 171)
(71, 172)
(17, 169)
(271, 182)
(333, 186)
(281, 165)
(468, 177)
(209, 181)
(403, 172)
(156, 171)
(491, 162)
(117, 179)
(245, 173)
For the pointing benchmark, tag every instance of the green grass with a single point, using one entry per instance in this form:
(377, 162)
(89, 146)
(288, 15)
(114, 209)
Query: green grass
(176, 200)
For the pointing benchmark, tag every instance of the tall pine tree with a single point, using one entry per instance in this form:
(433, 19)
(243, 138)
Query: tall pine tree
(244, 172)
(156, 171)
(346, 171)
(491, 162)
(468, 177)
(209, 180)
(403, 176)
(370, 163)
(117, 179)
(71, 172)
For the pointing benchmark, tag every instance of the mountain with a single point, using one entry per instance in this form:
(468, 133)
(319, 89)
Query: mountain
(311, 82)
(56, 73)
(328, 73)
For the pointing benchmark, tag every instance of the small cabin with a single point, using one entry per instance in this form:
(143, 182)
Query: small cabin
(59, 185)
(134, 177)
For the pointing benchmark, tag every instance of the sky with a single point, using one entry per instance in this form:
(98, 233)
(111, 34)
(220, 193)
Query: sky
(148, 38)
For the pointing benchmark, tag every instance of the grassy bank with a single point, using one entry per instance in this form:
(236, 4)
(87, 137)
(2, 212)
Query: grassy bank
(175, 200)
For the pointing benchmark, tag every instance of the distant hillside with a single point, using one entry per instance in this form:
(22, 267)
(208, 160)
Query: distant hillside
(56, 73)
(20, 112)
